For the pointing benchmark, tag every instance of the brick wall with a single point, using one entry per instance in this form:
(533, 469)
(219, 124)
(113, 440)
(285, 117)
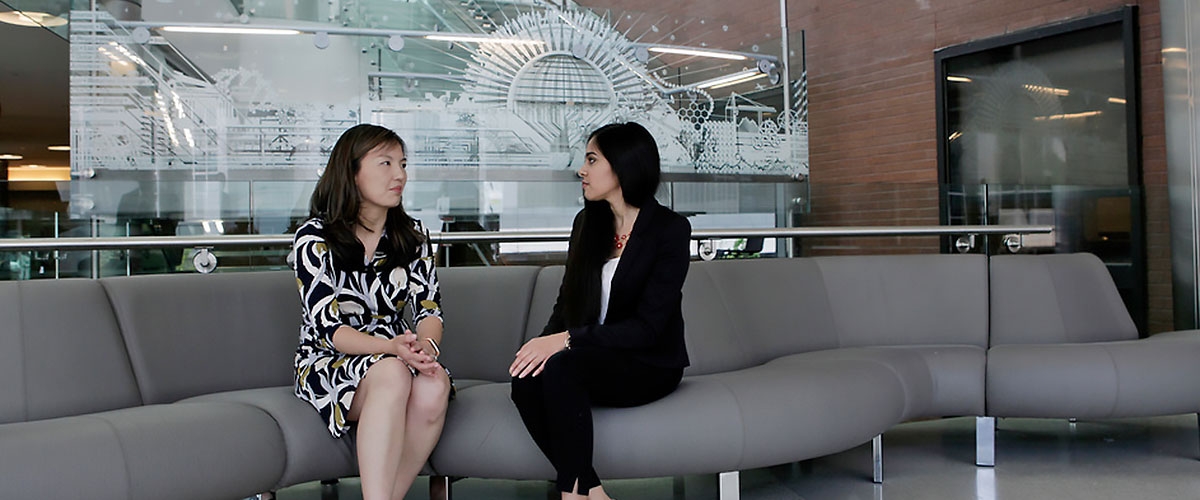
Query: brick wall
(873, 121)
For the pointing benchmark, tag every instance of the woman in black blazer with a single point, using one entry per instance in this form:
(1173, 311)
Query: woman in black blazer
(615, 337)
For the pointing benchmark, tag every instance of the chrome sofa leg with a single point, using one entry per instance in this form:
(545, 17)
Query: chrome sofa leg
(728, 486)
(439, 488)
(985, 441)
(877, 458)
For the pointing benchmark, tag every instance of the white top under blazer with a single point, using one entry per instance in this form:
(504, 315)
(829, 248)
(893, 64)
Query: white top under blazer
(606, 276)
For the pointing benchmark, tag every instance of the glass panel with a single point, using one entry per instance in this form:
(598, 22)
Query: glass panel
(136, 208)
(1038, 133)
(509, 98)
(1041, 112)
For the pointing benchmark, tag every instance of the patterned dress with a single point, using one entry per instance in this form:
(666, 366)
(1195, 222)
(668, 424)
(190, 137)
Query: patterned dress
(371, 301)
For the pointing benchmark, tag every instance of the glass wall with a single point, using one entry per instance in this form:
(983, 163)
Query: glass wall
(216, 117)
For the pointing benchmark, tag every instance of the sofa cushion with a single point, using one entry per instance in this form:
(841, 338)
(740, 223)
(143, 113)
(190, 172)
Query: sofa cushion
(191, 334)
(69, 457)
(541, 303)
(1051, 299)
(907, 299)
(484, 436)
(1134, 378)
(58, 362)
(179, 451)
(716, 342)
(312, 454)
(799, 409)
(486, 311)
(772, 307)
(937, 381)
(749, 418)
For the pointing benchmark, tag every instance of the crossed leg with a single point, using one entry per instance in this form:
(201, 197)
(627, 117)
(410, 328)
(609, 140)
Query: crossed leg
(426, 414)
(380, 406)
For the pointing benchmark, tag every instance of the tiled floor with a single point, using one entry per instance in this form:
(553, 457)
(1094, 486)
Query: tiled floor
(1150, 458)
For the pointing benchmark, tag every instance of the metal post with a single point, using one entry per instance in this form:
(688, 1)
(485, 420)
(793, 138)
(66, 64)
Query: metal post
(95, 253)
(985, 441)
(128, 253)
(728, 486)
(56, 256)
(439, 488)
(877, 458)
(787, 75)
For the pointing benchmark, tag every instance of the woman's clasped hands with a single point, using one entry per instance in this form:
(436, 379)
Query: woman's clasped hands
(531, 358)
(411, 350)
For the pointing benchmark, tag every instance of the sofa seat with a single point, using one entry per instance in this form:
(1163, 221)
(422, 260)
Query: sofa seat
(937, 380)
(1128, 378)
(312, 453)
(180, 451)
(826, 405)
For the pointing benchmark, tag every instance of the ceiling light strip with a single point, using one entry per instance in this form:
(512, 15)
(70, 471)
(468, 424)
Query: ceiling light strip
(698, 53)
(483, 39)
(230, 30)
(727, 79)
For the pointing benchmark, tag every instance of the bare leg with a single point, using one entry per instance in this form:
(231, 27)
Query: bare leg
(379, 407)
(426, 415)
(573, 496)
(598, 493)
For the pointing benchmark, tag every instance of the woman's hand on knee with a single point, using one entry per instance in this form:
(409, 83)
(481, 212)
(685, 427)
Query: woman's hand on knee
(531, 358)
(405, 348)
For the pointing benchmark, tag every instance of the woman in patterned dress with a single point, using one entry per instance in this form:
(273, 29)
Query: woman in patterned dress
(360, 260)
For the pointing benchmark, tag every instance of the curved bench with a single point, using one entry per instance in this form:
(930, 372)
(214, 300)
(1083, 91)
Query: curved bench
(848, 345)
(180, 385)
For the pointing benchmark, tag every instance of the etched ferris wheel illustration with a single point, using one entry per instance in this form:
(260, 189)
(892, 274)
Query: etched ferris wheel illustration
(520, 90)
(574, 73)
(563, 73)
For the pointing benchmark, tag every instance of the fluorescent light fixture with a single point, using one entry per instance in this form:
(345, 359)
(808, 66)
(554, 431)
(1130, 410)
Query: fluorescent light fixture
(58, 148)
(11, 157)
(1047, 90)
(1174, 50)
(36, 173)
(738, 81)
(734, 79)
(959, 79)
(31, 19)
(230, 30)
(1116, 100)
(697, 53)
(1068, 116)
(955, 135)
(483, 39)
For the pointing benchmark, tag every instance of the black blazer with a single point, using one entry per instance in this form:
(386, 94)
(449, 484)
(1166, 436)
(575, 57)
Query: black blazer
(645, 312)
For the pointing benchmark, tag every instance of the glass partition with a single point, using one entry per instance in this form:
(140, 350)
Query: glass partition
(481, 90)
(178, 208)
(217, 118)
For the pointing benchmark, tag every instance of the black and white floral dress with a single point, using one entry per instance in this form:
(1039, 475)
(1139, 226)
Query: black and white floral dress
(371, 301)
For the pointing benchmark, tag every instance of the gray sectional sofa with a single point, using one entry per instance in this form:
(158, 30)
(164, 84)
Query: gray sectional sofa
(180, 385)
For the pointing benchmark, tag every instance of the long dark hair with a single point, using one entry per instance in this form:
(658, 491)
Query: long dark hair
(336, 201)
(633, 155)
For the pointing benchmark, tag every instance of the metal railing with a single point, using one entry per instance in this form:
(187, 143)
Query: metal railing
(206, 262)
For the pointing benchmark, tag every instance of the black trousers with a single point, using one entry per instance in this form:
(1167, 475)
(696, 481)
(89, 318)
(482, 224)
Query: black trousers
(557, 404)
